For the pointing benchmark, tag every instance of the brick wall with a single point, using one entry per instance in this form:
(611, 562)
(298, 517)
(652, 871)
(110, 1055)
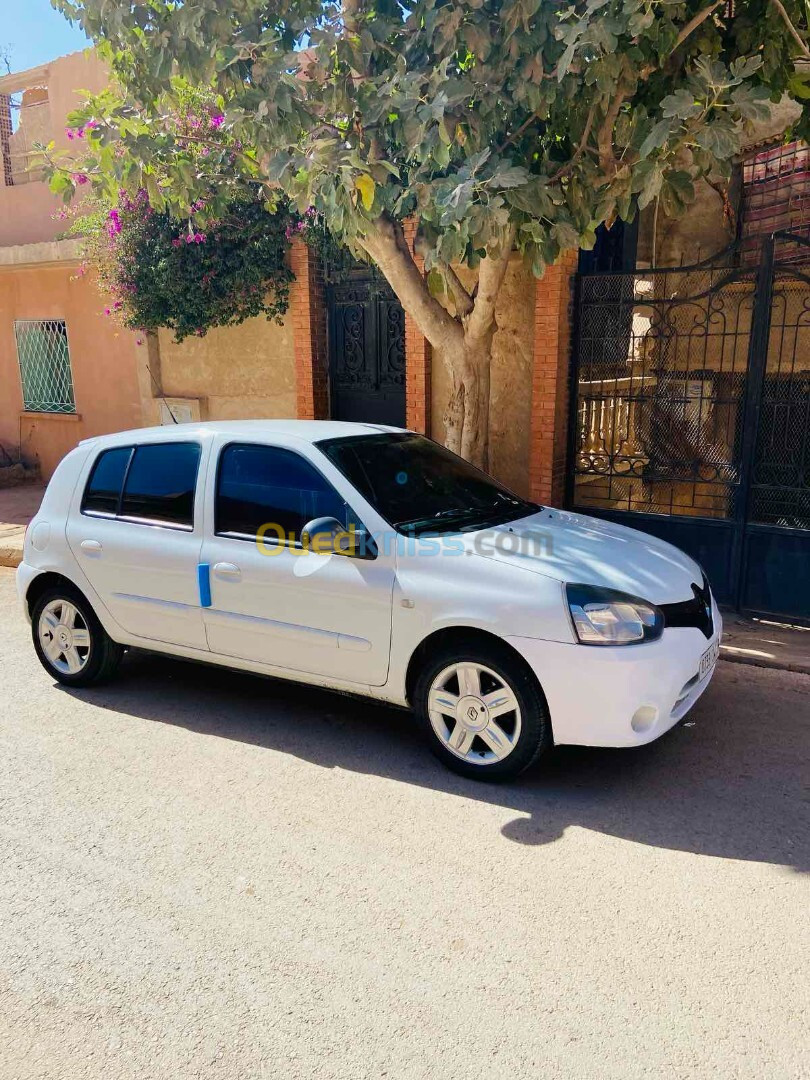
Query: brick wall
(553, 315)
(308, 313)
(417, 362)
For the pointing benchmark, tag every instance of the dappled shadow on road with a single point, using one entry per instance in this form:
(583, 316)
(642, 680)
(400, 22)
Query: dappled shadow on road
(731, 786)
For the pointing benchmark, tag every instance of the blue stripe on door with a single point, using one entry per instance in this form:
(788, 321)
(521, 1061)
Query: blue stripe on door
(204, 583)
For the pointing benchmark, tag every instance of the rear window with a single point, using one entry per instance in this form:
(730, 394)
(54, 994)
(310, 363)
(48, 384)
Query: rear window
(103, 491)
(152, 484)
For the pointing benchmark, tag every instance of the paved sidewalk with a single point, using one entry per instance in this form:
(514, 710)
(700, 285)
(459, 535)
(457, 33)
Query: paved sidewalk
(17, 506)
(765, 643)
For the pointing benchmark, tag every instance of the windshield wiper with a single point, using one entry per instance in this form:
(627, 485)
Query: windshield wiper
(442, 516)
(482, 516)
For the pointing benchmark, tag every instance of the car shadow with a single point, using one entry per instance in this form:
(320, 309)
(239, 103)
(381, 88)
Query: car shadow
(732, 784)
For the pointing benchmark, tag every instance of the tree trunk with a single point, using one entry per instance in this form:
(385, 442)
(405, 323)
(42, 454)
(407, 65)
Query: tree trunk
(463, 339)
(466, 418)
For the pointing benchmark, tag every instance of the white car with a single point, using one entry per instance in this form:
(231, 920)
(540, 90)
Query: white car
(370, 560)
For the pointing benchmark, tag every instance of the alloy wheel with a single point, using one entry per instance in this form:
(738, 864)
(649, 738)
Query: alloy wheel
(474, 712)
(64, 637)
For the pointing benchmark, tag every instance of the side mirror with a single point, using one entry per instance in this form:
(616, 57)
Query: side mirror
(326, 536)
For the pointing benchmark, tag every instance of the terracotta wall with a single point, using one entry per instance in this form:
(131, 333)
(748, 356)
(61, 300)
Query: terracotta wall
(238, 373)
(27, 210)
(104, 361)
(512, 359)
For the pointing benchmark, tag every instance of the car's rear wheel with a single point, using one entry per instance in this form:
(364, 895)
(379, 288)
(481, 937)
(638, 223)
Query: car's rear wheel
(70, 642)
(482, 711)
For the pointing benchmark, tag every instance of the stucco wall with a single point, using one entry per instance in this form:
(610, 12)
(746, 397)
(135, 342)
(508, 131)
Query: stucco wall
(104, 363)
(510, 403)
(700, 234)
(240, 372)
(27, 210)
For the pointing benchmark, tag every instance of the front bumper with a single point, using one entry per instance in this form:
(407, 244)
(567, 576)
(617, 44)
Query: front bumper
(623, 695)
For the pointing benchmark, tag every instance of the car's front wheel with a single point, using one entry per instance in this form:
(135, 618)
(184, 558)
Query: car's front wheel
(482, 710)
(70, 642)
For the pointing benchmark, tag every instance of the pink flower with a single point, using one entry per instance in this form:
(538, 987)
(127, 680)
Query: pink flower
(217, 121)
(71, 134)
(139, 341)
(107, 311)
(80, 178)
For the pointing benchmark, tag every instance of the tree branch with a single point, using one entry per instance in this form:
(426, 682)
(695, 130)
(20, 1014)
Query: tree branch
(491, 272)
(607, 158)
(516, 134)
(695, 22)
(797, 37)
(577, 154)
(461, 298)
(386, 245)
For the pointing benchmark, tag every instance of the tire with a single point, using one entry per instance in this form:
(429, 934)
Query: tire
(493, 743)
(81, 653)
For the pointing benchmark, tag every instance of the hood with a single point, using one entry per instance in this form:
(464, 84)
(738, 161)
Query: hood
(573, 547)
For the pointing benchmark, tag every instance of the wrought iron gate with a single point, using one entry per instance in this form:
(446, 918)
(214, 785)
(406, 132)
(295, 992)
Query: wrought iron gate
(366, 329)
(691, 415)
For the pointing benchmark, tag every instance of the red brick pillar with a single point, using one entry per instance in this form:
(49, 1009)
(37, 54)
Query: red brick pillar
(553, 315)
(5, 136)
(308, 312)
(417, 361)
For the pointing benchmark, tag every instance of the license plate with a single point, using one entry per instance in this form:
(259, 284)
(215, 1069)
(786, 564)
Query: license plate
(709, 659)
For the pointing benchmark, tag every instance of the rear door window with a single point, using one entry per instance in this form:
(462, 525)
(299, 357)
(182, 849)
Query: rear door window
(103, 491)
(160, 484)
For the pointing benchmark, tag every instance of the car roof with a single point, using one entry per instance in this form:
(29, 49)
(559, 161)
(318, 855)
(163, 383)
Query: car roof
(304, 430)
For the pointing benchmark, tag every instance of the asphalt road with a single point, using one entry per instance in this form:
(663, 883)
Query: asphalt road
(205, 874)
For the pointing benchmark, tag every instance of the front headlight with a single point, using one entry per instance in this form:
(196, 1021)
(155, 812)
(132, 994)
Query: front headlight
(608, 617)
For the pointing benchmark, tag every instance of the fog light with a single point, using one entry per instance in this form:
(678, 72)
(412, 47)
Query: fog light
(644, 718)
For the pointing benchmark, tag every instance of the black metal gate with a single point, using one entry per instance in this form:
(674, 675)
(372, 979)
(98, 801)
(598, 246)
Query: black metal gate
(366, 329)
(691, 415)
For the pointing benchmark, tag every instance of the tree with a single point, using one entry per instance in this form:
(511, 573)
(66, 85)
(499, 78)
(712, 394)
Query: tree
(496, 125)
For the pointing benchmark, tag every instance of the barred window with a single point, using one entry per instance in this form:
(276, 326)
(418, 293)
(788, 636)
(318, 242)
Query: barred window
(47, 381)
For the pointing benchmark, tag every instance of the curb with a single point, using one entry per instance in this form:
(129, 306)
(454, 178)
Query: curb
(10, 556)
(762, 662)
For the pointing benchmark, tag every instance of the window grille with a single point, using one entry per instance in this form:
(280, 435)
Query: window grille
(47, 381)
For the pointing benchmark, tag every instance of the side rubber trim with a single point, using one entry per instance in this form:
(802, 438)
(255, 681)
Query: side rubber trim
(204, 583)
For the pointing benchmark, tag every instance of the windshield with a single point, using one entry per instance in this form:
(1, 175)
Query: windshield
(419, 486)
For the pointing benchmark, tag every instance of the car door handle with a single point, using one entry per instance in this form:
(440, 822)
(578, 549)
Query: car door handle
(91, 547)
(227, 570)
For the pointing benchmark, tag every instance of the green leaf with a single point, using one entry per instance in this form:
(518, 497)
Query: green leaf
(681, 104)
(656, 138)
(745, 67)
